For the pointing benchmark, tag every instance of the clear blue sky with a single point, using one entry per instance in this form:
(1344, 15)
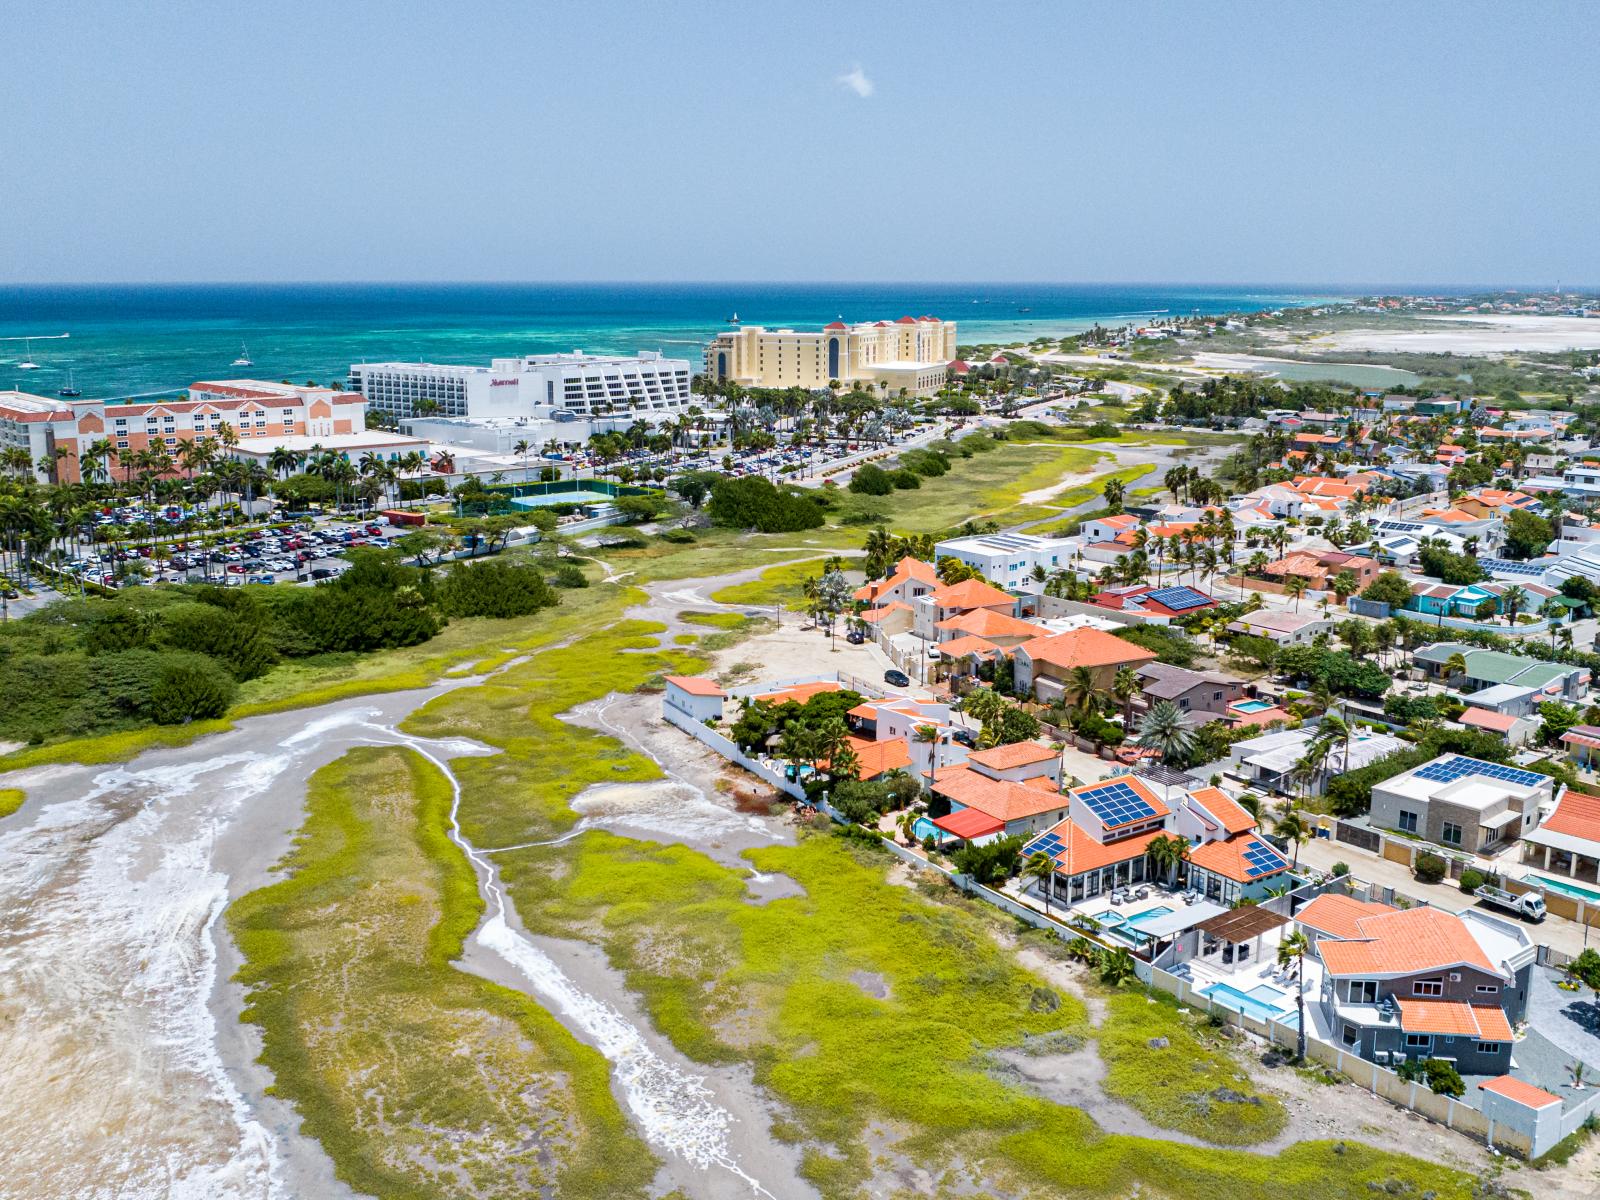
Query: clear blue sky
(1275, 142)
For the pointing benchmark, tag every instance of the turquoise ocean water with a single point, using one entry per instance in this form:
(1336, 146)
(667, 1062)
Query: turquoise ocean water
(155, 339)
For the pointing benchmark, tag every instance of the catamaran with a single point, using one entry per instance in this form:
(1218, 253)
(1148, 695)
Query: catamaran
(27, 363)
(244, 357)
(70, 389)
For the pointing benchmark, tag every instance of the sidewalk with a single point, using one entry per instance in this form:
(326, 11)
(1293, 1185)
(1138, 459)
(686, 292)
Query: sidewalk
(1322, 853)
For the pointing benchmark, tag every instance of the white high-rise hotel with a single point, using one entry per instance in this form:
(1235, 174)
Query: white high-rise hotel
(539, 387)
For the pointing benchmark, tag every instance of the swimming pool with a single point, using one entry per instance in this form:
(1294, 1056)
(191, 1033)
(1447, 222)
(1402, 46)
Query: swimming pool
(1250, 706)
(1565, 887)
(1264, 1003)
(1126, 929)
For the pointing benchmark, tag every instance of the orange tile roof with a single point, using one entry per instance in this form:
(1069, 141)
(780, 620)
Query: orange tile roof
(1334, 914)
(878, 758)
(1000, 798)
(1228, 814)
(1455, 1018)
(1404, 942)
(873, 615)
(696, 685)
(906, 570)
(971, 593)
(801, 692)
(985, 622)
(1081, 851)
(1577, 815)
(962, 646)
(1483, 718)
(1513, 1088)
(1227, 858)
(1120, 521)
(1017, 754)
(1086, 647)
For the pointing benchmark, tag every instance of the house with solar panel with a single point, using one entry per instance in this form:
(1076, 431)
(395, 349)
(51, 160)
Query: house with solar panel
(1463, 803)
(1102, 846)
(1397, 984)
(1154, 605)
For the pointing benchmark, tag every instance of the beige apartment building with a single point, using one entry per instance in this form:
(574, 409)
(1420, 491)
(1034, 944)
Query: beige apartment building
(911, 355)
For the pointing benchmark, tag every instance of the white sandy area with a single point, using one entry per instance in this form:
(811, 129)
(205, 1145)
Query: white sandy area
(1470, 335)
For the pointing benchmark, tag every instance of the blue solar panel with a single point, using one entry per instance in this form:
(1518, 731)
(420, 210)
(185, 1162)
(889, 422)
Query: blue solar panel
(1117, 804)
(1048, 844)
(1179, 598)
(1459, 766)
(1499, 566)
(1262, 859)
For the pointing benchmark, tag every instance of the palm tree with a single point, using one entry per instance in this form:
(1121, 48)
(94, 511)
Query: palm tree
(1041, 869)
(1125, 687)
(1084, 688)
(1455, 665)
(907, 826)
(522, 449)
(1293, 828)
(1168, 854)
(1292, 949)
(1294, 585)
(1166, 729)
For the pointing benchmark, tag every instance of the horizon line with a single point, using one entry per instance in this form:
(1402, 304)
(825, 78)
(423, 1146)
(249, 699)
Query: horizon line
(1364, 288)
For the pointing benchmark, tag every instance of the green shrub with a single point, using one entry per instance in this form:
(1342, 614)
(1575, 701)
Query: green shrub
(1471, 881)
(495, 589)
(1441, 1077)
(1341, 869)
(754, 503)
(678, 537)
(190, 687)
(871, 480)
(906, 481)
(1430, 868)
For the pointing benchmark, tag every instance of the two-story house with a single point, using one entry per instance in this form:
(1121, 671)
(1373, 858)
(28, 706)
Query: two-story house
(1399, 984)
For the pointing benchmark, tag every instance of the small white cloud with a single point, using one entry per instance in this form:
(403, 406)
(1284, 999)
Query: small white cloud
(856, 80)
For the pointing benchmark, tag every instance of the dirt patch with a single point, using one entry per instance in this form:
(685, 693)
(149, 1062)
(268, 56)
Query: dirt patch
(871, 983)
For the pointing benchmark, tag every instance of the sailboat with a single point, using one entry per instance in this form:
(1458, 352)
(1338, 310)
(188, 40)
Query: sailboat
(733, 320)
(71, 389)
(244, 357)
(27, 363)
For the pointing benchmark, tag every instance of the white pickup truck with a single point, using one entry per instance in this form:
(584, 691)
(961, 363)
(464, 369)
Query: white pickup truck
(1529, 906)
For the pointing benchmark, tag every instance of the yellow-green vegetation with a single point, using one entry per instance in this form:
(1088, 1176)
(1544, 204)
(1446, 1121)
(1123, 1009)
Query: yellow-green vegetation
(419, 1079)
(717, 620)
(1096, 487)
(1193, 1084)
(521, 794)
(10, 800)
(783, 584)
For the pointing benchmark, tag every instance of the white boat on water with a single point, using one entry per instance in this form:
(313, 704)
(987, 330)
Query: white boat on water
(27, 363)
(244, 357)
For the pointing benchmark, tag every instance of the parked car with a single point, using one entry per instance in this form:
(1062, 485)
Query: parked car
(896, 678)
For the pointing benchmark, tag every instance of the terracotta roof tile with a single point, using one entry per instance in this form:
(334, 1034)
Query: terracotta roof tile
(1228, 814)
(1017, 754)
(1513, 1088)
(1334, 914)
(999, 798)
(1455, 1018)
(1086, 647)
(696, 685)
(1404, 942)
(1226, 858)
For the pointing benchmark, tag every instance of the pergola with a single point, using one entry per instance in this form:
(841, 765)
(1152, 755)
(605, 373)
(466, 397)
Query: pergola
(1236, 929)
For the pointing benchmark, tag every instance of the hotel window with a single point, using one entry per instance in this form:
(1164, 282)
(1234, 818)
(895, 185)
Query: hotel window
(1428, 987)
(1408, 821)
(1450, 834)
(1363, 991)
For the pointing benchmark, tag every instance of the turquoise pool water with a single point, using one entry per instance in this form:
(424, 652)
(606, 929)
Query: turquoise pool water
(1251, 705)
(1126, 929)
(1264, 1003)
(1566, 887)
(922, 827)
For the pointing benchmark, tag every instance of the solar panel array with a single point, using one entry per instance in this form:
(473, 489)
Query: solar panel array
(1179, 598)
(1117, 804)
(1459, 767)
(1500, 566)
(1262, 859)
(1048, 844)
(1399, 526)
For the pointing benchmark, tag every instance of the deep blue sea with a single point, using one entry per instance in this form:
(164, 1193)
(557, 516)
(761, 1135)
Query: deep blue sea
(140, 340)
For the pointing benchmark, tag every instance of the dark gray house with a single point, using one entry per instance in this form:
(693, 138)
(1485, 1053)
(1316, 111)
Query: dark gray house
(1418, 983)
(1206, 692)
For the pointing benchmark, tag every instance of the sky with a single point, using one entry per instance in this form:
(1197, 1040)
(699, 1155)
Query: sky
(1287, 142)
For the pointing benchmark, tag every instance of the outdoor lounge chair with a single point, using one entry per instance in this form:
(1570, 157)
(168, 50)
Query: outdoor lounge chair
(1143, 893)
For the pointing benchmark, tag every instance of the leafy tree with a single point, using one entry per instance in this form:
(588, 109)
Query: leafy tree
(754, 503)
(190, 687)
(990, 863)
(495, 589)
(1388, 588)
(1430, 868)
(1528, 535)
(871, 480)
(1557, 719)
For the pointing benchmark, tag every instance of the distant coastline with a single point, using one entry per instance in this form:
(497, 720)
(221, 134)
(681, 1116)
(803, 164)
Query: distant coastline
(138, 340)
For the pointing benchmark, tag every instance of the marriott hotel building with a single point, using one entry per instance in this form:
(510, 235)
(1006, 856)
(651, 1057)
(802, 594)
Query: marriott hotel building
(546, 386)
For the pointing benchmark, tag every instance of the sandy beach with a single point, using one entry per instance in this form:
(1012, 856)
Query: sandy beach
(1469, 335)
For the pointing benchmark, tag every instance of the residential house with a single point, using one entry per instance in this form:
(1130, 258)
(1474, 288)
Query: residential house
(1399, 984)
(1156, 605)
(1460, 802)
(1009, 794)
(1045, 665)
(697, 698)
(1484, 668)
(1319, 569)
(1103, 842)
(1019, 561)
(1205, 693)
(1108, 529)
(1516, 731)
(1270, 762)
(910, 579)
(952, 600)
(1282, 628)
(1567, 841)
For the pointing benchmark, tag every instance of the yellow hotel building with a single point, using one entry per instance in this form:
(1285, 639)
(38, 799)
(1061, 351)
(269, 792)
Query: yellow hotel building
(910, 355)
